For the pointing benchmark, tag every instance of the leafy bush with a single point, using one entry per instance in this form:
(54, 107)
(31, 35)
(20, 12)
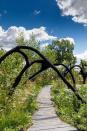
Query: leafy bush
(16, 110)
(68, 107)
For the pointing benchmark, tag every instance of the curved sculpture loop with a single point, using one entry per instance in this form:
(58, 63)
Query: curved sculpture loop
(82, 72)
(45, 64)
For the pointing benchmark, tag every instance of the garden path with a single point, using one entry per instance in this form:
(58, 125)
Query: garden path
(45, 119)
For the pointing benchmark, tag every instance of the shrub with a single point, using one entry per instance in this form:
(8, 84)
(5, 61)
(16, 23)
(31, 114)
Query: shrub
(68, 107)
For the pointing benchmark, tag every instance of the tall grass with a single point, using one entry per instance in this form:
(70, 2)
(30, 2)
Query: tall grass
(68, 108)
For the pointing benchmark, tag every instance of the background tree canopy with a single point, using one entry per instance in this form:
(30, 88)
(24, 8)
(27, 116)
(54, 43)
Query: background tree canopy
(31, 42)
(63, 50)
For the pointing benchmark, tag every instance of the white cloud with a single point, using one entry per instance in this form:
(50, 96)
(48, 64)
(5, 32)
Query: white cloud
(82, 55)
(44, 45)
(75, 8)
(37, 12)
(8, 37)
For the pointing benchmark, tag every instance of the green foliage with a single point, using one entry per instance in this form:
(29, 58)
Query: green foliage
(83, 64)
(68, 107)
(31, 42)
(64, 51)
(49, 53)
(16, 111)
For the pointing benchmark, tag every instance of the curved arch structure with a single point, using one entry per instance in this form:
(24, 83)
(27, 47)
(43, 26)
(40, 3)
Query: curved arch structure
(82, 72)
(56, 65)
(45, 64)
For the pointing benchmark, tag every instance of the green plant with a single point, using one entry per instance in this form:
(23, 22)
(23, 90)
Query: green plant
(68, 107)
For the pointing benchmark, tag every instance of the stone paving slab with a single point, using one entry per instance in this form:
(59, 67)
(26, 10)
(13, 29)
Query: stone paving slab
(45, 119)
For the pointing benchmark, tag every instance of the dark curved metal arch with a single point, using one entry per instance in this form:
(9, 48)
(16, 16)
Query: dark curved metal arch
(67, 69)
(82, 72)
(47, 64)
(18, 78)
(44, 67)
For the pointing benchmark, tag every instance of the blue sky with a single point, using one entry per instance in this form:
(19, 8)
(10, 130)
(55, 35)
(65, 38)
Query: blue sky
(43, 13)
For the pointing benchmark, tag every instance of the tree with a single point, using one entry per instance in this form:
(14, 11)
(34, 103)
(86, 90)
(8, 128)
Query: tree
(20, 39)
(83, 64)
(64, 51)
(49, 54)
(31, 42)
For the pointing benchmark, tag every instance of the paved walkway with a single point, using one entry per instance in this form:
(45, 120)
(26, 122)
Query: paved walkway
(45, 119)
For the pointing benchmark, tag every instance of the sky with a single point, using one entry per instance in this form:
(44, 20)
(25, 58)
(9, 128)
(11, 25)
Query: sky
(47, 20)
